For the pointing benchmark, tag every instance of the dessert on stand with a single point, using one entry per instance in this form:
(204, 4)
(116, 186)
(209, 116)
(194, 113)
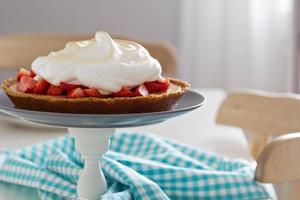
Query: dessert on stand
(93, 87)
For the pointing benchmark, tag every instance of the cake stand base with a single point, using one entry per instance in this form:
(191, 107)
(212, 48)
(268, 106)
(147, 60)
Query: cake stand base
(91, 143)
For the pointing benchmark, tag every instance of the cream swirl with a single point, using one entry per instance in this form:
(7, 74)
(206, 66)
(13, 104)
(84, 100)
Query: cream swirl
(101, 63)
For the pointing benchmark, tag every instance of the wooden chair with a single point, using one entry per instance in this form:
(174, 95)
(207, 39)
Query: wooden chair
(20, 50)
(264, 116)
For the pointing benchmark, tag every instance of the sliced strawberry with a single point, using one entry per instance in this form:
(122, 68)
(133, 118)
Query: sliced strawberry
(67, 86)
(124, 92)
(32, 74)
(54, 90)
(83, 87)
(92, 92)
(140, 91)
(41, 86)
(22, 72)
(26, 84)
(75, 93)
(158, 86)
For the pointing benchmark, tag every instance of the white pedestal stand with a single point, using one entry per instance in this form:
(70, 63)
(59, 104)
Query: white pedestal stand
(91, 143)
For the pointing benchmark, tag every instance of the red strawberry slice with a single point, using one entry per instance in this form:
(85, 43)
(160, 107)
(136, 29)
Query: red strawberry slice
(22, 72)
(124, 92)
(67, 86)
(158, 86)
(140, 91)
(75, 93)
(41, 86)
(54, 90)
(92, 92)
(32, 74)
(26, 84)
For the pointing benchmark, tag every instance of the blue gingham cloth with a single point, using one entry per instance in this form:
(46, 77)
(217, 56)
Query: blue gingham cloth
(137, 166)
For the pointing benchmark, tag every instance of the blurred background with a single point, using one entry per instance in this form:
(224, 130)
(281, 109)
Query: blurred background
(224, 44)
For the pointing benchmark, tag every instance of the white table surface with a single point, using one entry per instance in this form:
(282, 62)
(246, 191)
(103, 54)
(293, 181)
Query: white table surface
(196, 128)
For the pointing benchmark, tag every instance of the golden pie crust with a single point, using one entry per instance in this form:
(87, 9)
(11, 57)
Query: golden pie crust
(89, 105)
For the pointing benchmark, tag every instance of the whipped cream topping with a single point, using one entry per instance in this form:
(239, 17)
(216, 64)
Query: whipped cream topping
(101, 63)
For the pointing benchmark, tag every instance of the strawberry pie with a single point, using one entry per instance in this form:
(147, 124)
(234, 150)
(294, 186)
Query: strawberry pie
(95, 76)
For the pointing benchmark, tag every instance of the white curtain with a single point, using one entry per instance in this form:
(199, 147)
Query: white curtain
(237, 43)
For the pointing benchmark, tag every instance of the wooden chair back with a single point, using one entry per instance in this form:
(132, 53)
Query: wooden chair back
(263, 116)
(279, 163)
(20, 50)
(280, 157)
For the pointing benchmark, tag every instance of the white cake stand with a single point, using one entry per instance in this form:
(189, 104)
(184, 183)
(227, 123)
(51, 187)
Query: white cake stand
(92, 133)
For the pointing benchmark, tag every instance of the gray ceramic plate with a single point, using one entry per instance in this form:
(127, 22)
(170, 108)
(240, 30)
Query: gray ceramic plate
(190, 101)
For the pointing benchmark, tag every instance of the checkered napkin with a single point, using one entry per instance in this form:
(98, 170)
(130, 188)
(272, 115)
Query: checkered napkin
(137, 166)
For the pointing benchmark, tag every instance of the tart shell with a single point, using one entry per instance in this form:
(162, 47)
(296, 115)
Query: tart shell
(88, 105)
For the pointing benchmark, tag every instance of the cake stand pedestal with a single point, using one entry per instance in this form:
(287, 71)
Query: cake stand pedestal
(92, 133)
(91, 143)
